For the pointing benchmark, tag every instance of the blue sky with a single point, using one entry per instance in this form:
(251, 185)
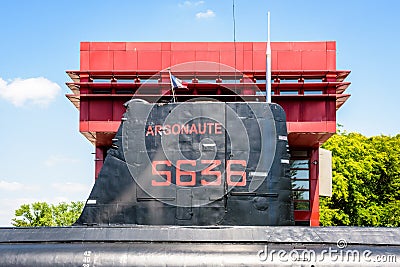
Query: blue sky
(45, 158)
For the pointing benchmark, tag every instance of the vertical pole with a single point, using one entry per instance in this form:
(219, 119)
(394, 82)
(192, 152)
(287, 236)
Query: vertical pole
(268, 66)
(172, 86)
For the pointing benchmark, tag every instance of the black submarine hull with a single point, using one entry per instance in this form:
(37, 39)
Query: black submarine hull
(195, 163)
(200, 246)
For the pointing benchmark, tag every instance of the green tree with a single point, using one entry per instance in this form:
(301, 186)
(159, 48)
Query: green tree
(366, 181)
(43, 214)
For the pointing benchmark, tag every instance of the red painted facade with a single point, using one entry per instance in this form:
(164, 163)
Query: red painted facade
(305, 83)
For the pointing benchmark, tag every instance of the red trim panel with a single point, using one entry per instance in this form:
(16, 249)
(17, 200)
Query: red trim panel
(99, 126)
(312, 127)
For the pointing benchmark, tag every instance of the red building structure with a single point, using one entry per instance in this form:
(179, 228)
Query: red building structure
(305, 83)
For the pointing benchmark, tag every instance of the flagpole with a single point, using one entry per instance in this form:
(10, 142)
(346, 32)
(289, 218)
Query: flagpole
(268, 66)
(172, 86)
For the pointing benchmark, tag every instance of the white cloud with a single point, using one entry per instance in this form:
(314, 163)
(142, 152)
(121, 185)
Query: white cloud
(39, 91)
(15, 186)
(70, 187)
(55, 160)
(10, 186)
(205, 15)
(191, 4)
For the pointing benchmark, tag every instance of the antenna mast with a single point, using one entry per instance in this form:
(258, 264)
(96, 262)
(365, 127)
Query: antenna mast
(268, 66)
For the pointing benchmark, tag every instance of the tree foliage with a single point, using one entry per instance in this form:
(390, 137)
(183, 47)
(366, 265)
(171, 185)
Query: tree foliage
(366, 181)
(43, 214)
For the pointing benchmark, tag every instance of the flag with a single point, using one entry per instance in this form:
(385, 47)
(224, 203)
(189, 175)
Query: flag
(176, 83)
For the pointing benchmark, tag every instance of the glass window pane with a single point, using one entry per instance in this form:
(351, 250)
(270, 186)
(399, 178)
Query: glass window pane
(299, 163)
(288, 81)
(302, 205)
(301, 195)
(301, 184)
(301, 174)
(314, 92)
(289, 93)
(299, 153)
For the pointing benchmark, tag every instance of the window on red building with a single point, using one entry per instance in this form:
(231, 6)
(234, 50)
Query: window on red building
(300, 174)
